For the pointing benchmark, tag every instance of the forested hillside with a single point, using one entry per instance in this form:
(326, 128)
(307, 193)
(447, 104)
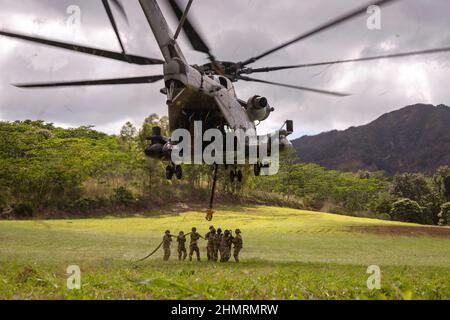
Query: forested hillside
(46, 171)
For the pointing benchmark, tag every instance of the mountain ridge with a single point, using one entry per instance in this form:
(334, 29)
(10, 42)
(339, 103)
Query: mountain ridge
(415, 138)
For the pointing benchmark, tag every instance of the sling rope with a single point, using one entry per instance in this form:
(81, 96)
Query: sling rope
(210, 211)
(157, 248)
(152, 253)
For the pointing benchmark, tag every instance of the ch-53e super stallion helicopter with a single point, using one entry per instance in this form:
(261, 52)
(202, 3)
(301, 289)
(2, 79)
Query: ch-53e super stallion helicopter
(203, 93)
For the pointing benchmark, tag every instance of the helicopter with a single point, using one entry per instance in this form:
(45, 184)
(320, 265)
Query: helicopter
(204, 93)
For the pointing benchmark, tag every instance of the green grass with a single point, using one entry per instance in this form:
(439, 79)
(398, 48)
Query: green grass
(288, 254)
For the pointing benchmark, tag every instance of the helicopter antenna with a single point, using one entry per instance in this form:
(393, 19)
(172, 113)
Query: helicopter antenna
(183, 19)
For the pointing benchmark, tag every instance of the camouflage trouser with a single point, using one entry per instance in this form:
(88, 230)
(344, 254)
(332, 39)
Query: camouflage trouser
(210, 252)
(166, 254)
(216, 253)
(236, 253)
(225, 254)
(182, 253)
(194, 248)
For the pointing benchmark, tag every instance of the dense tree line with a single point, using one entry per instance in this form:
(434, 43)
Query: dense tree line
(46, 170)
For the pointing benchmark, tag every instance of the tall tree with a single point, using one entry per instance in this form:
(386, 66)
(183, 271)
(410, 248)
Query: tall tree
(128, 134)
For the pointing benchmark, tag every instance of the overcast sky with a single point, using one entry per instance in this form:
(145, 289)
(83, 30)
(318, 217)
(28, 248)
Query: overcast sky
(236, 30)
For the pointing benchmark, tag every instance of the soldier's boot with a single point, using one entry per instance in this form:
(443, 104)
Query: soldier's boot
(228, 256)
(191, 253)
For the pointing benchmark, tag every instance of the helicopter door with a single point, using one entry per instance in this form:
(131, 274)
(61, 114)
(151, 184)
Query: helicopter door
(226, 83)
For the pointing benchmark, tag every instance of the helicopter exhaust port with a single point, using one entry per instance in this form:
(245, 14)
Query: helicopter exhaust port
(258, 108)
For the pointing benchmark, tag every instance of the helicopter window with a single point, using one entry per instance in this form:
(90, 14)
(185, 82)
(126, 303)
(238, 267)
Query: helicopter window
(223, 82)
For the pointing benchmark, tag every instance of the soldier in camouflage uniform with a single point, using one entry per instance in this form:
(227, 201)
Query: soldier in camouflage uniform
(224, 248)
(216, 242)
(182, 252)
(238, 243)
(210, 246)
(167, 241)
(230, 241)
(195, 236)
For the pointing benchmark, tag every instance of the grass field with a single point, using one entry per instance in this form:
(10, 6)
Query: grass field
(288, 254)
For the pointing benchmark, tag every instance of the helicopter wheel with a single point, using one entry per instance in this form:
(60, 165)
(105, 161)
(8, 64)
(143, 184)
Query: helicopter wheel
(179, 172)
(232, 175)
(240, 177)
(257, 170)
(169, 172)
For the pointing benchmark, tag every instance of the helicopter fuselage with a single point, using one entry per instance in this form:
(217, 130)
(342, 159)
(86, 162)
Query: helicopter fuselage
(195, 96)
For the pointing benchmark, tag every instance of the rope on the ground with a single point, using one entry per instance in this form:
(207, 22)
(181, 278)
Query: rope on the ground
(152, 253)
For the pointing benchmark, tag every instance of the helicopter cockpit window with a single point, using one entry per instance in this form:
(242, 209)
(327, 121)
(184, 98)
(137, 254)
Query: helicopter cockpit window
(223, 82)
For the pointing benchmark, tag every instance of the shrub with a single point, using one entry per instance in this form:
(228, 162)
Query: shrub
(123, 196)
(382, 203)
(406, 210)
(432, 206)
(444, 214)
(83, 204)
(23, 210)
(4, 198)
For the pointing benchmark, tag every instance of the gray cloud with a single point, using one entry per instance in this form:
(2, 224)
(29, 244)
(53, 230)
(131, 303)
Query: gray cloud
(236, 29)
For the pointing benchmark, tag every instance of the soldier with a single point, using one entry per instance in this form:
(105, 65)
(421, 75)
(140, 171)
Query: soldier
(237, 242)
(225, 247)
(229, 244)
(230, 241)
(182, 252)
(195, 236)
(216, 242)
(210, 246)
(167, 241)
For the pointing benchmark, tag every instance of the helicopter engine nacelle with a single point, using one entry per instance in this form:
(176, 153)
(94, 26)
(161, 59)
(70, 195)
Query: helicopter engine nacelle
(258, 108)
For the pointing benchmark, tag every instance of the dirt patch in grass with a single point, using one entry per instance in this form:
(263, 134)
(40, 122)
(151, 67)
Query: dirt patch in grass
(25, 274)
(403, 230)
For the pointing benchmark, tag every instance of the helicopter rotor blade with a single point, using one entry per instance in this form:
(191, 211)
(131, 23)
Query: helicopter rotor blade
(113, 23)
(331, 93)
(183, 19)
(118, 5)
(387, 56)
(193, 36)
(333, 23)
(133, 80)
(133, 59)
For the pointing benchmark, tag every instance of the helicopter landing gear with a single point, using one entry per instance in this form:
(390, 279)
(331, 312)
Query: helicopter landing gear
(172, 170)
(257, 169)
(169, 172)
(179, 172)
(236, 174)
